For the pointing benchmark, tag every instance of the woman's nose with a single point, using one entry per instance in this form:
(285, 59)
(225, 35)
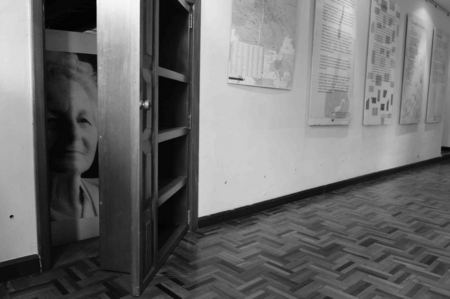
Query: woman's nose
(72, 130)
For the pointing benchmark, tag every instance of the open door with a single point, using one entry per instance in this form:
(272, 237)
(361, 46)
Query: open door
(147, 147)
(65, 64)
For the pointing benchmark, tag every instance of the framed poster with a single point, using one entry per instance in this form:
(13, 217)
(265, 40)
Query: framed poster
(415, 69)
(72, 135)
(331, 89)
(262, 43)
(437, 86)
(382, 49)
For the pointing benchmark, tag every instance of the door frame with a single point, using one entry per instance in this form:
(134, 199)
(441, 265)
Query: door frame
(195, 111)
(41, 166)
(40, 136)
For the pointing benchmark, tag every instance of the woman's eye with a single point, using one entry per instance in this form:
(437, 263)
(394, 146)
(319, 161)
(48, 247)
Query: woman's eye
(52, 120)
(84, 120)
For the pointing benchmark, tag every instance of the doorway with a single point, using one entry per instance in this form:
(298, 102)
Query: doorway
(70, 81)
(146, 165)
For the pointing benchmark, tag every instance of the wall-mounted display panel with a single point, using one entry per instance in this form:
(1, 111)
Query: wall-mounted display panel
(262, 43)
(415, 68)
(332, 62)
(382, 51)
(438, 76)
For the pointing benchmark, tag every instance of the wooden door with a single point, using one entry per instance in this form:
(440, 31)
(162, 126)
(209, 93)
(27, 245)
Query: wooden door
(145, 147)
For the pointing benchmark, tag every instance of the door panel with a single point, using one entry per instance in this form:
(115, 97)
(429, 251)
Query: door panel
(119, 27)
(144, 94)
(148, 108)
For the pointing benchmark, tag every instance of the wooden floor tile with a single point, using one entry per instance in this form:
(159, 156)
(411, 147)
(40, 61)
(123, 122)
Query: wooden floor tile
(387, 238)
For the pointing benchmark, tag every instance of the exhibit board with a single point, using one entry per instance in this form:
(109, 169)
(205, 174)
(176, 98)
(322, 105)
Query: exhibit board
(438, 76)
(380, 84)
(332, 62)
(415, 69)
(262, 43)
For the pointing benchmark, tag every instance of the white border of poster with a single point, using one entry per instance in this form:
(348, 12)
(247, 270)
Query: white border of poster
(438, 76)
(253, 59)
(415, 69)
(331, 86)
(382, 49)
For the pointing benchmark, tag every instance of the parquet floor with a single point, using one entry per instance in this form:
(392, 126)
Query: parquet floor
(388, 238)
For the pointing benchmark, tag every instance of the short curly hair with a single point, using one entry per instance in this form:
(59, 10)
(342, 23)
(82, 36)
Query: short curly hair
(68, 65)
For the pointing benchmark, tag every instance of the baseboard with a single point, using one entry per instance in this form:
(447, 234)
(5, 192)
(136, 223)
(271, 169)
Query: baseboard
(271, 203)
(19, 267)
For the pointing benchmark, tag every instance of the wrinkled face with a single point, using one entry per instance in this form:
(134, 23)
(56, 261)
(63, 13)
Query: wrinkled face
(71, 126)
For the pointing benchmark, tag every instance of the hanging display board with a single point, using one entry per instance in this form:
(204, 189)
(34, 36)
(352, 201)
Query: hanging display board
(262, 43)
(415, 68)
(438, 76)
(332, 62)
(381, 62)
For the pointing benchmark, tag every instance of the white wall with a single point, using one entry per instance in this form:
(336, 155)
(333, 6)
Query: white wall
(446, 129)
(446, 119)
(18, 235)
(255, 144)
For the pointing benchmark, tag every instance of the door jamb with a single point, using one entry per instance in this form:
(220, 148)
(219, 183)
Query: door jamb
(195, 101)
(40, 153)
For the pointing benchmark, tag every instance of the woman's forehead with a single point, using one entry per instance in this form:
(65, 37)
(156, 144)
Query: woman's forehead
(65, 94)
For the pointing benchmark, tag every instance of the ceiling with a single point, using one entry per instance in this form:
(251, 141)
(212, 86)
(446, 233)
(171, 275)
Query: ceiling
(444, 3)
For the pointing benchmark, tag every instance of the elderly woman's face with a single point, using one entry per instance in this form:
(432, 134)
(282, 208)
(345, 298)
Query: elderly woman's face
(72, 126)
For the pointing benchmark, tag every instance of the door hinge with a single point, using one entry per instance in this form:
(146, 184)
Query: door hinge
(189, 216)
(191, 21)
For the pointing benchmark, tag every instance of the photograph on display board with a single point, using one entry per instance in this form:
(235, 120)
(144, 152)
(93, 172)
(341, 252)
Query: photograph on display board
(332, 63)
(382, 53)
(438, 76)
(415, 69)
(72, 137)
(262, 43)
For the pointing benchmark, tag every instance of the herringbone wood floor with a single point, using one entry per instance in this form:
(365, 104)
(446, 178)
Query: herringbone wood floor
(388, 238)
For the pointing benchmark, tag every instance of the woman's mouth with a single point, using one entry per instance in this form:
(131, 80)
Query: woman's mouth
(73, 152)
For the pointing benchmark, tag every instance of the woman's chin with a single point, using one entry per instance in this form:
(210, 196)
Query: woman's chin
(68, 168)
(70, 164)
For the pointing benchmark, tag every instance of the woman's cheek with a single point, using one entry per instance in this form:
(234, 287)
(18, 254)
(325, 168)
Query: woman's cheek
(91, 138)
(52, 137)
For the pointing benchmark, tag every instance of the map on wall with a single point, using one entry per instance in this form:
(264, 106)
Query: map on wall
(381, 62)
(332, 62)
(262, 43)
(438, 76)
(415, 69)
